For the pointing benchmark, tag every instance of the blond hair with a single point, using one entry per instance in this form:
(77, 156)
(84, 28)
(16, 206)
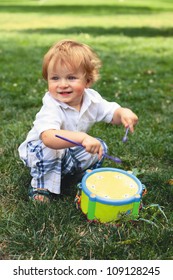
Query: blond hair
(76, 55)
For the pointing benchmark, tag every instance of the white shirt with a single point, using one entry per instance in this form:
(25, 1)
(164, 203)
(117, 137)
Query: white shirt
(58, 115)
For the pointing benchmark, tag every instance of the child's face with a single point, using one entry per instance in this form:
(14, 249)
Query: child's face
(66, 86)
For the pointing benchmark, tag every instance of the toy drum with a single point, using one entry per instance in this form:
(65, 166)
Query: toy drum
(106, 193)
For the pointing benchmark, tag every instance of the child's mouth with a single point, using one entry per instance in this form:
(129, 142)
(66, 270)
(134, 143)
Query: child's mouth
(64, 92)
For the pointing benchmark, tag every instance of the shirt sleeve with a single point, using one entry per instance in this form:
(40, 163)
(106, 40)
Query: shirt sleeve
(105, 109)
(47, 119)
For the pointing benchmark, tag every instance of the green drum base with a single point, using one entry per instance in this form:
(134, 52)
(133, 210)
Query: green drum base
(103, 212)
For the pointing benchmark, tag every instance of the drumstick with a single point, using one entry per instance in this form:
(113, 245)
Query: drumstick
(125, 136)
(115, 159)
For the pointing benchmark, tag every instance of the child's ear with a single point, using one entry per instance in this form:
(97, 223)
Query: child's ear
(88, 83)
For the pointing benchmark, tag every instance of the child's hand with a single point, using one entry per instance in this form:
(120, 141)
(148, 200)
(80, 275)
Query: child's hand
(92, 145)
(126, 117)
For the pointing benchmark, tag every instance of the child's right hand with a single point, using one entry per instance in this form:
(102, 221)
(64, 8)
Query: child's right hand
(92, 145)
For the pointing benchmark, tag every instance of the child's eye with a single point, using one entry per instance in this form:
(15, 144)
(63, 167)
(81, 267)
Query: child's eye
(72, 78)
(55, 78)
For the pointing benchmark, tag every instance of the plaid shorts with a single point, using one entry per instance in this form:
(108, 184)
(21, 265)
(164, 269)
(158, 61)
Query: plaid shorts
(49, 166)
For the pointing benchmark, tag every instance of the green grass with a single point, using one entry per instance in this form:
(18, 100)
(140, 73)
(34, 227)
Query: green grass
(134, 40)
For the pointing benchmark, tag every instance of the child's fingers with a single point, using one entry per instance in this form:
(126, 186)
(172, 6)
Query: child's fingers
(100, 153)
(130, 122)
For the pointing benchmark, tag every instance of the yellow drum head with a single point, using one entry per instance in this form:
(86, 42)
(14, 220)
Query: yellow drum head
(112, 185)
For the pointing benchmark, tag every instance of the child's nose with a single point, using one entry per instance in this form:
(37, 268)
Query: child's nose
(63, 83)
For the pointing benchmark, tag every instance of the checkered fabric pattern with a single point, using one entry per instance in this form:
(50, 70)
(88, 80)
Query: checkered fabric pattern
(48, 166)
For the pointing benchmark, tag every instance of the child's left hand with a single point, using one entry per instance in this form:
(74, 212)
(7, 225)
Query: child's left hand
(126, 117)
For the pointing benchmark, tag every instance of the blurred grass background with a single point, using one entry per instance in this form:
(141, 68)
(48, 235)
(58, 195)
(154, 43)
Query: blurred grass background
(134, 41)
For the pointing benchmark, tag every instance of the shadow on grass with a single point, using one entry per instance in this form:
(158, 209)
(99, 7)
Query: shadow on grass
(98, 31)
(82, 9)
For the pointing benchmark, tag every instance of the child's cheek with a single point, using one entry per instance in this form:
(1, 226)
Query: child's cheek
(79, 89)
(52, 88)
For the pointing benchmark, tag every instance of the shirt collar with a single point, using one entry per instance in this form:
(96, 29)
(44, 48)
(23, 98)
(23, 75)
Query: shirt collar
(88, 98)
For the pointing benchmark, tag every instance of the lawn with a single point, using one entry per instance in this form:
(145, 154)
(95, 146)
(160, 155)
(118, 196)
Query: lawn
(134, 39)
